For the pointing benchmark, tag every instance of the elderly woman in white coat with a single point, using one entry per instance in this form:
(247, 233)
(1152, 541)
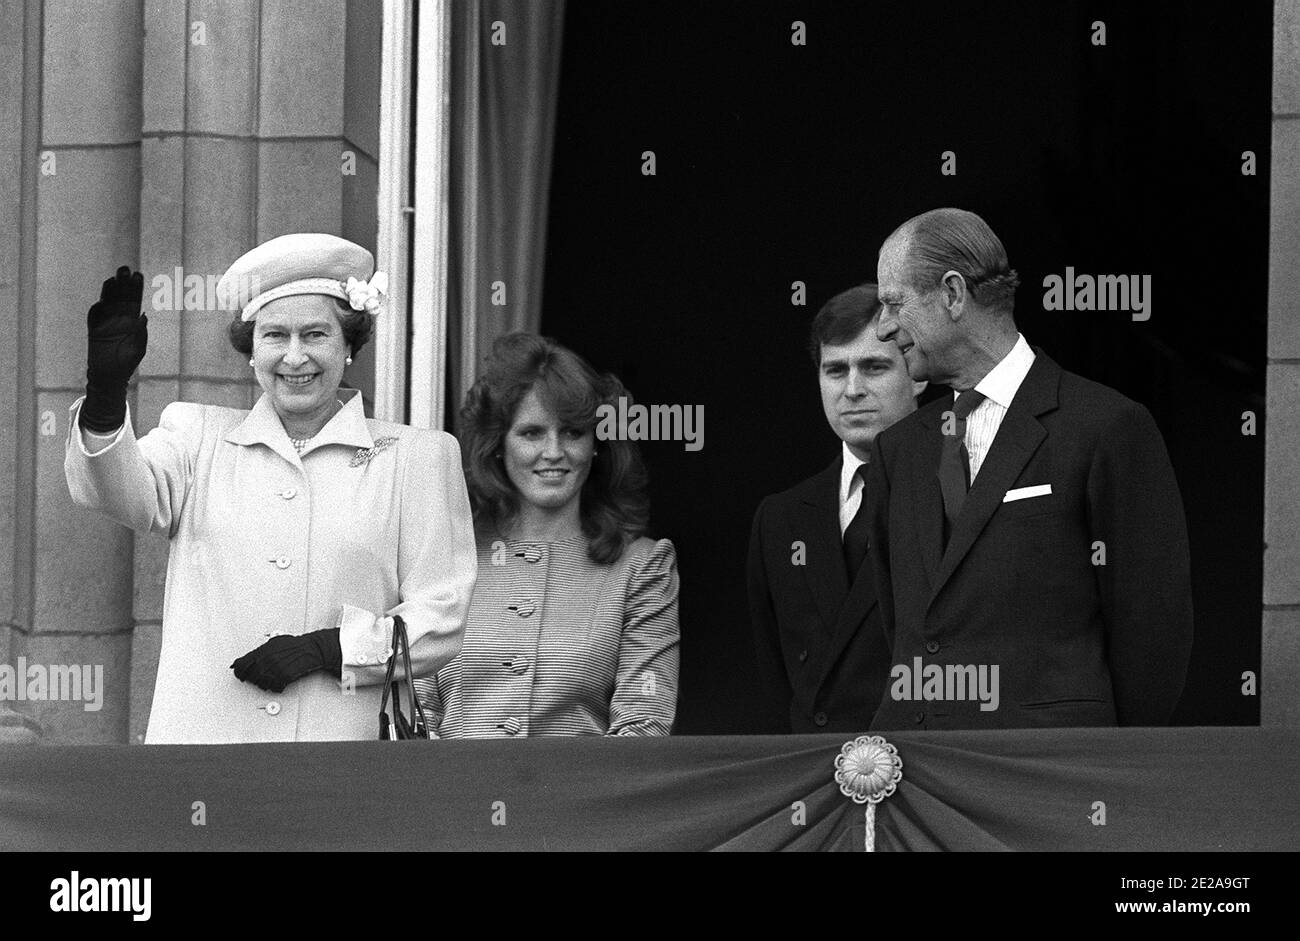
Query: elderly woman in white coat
(299, 530)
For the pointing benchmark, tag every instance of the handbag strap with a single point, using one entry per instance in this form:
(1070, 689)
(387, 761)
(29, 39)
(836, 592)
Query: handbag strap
(399, 626)
(392, 662)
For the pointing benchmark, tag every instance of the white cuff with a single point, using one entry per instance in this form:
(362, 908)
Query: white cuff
(75, 431)
(366, 640)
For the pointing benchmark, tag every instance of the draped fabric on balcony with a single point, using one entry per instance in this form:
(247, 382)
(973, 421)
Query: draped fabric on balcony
(1163, 789)
(505, 76)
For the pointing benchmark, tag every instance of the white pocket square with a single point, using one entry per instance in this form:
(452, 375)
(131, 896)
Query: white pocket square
(1024, 493)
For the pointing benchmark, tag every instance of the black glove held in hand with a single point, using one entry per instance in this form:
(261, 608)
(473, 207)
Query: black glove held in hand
(119, 335)
(283, 659)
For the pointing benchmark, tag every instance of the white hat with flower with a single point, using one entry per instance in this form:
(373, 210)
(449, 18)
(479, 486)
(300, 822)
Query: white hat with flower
(303, 263)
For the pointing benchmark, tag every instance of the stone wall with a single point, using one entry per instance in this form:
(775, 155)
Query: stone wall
(169, 135)
(1280, 684)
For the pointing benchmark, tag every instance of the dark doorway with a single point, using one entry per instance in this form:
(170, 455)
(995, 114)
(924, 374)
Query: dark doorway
(778, 163)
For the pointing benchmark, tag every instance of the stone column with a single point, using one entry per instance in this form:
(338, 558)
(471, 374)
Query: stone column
(73, 578)
(160, 135)
(241, 141)
(1280, 684)
(12, 142)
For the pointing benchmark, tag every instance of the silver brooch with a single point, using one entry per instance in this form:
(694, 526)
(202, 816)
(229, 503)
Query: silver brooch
(364, 455)
(868, 769)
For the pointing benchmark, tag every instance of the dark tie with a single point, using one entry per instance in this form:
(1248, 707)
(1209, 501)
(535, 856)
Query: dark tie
(954, 461)
(855, 534)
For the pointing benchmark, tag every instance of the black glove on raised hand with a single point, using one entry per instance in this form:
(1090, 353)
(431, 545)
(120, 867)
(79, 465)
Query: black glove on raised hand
(119, 334)
(283, 659)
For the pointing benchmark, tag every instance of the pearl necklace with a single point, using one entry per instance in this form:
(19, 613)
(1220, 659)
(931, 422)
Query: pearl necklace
(300, 443)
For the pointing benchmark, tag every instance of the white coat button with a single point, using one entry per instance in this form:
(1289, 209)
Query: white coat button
(361, 658)
(281, 563)
(273, 708)
(289, 494)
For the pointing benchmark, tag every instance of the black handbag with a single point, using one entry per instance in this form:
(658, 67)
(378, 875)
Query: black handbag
(399, 727)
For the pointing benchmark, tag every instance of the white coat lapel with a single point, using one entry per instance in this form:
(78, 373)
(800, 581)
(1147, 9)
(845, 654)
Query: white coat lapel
(348, 426)
(263, 426)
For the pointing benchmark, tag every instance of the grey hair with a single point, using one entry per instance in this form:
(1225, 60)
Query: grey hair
(944, 240)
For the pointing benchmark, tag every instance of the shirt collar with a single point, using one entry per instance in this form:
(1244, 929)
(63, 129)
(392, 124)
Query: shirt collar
(851, 464)
(1004, 379)
(263, 426)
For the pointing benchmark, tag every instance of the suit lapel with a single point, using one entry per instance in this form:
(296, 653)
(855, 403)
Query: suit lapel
(856, 608)
(843, 609)
(1018, 437)
(825, 562)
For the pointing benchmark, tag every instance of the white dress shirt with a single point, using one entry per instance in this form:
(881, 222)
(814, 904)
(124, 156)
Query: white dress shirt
(999, 388)
(850, 488)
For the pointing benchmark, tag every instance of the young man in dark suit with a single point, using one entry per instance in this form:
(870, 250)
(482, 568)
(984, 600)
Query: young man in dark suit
(1030, 527)
(821, 651)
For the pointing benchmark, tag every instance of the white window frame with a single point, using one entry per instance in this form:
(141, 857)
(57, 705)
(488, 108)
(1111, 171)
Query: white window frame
(411, 344)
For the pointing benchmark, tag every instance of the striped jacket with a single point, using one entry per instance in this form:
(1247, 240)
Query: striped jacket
(556, 644)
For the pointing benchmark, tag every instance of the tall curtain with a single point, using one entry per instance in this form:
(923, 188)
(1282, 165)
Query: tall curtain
(505, 77)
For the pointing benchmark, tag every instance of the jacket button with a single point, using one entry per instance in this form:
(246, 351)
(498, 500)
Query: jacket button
(803, 655)
(932, 646)
(281, 562)
(920, 717)
(289, 494)
(512, 726)
(820, 718)
(273, 708)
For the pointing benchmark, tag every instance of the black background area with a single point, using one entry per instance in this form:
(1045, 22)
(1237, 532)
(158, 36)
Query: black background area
(778, 163)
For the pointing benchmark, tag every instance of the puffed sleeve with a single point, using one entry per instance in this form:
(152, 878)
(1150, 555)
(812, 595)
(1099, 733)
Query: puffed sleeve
(140, 484)
(436, 569)
(645, 687)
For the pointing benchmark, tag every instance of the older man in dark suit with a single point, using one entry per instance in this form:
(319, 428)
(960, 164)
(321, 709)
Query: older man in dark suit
(1028, 537)
(821, 650)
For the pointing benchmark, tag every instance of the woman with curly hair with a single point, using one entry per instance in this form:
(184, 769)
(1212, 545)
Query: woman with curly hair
(572, 628)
